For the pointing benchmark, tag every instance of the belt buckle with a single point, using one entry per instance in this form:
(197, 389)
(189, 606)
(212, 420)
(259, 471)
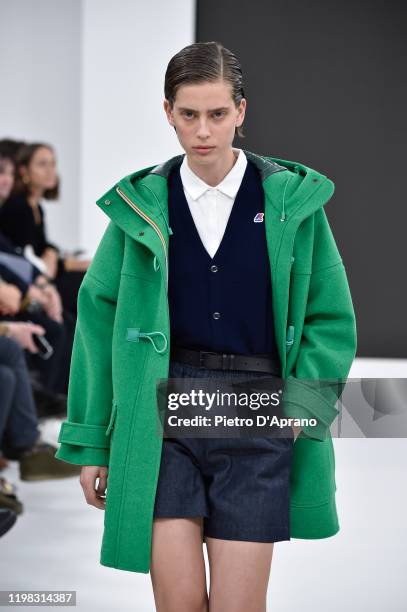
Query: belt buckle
(227, 361)
(201, 357)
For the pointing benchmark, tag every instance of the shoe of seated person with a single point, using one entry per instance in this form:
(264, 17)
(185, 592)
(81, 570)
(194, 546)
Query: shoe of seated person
(40, 463)
(7, 520)
(8, 496)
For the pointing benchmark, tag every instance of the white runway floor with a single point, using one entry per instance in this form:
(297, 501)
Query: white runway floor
(55, 543)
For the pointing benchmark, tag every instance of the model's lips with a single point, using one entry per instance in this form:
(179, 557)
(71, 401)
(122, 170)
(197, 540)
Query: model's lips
(203, 150)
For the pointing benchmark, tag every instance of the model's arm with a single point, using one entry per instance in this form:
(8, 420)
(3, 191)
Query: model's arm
(329, 339)
(82, 437)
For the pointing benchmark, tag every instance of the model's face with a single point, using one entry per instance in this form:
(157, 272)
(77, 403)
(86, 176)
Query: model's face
(6, 178)
(204, 114)
(41, 171)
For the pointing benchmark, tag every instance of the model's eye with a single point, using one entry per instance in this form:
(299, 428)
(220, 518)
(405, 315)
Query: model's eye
(189, 113)
(219, 113)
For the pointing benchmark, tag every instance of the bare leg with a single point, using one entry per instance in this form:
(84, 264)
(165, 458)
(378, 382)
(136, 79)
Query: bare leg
(239, 575)
(178, 565)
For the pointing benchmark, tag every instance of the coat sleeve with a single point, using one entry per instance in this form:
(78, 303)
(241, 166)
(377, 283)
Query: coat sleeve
(329, 338)
(82, 436)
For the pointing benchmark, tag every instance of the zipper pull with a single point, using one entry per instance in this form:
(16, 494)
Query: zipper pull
(289, 338)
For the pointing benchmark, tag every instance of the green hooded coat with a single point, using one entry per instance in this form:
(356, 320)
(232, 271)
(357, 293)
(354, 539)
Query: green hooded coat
(122, 346)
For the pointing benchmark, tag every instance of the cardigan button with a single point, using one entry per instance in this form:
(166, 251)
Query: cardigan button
(107, 202)
(214, 268)
(216, 315)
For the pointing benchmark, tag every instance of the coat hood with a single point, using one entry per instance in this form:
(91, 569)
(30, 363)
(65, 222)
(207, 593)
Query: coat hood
(292, 188)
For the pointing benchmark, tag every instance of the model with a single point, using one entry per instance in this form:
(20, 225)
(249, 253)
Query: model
(217, 263)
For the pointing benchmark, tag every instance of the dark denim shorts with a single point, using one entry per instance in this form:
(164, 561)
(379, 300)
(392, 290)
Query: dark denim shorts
(241, 486)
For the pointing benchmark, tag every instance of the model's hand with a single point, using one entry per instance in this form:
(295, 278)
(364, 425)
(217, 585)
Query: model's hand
(94, 495)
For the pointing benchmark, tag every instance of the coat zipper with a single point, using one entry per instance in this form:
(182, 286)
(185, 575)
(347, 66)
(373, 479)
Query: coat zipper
(289, 338)
(150, 221)
(160, 235)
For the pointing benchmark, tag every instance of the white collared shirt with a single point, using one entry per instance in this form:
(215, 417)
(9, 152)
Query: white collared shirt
(211, 206)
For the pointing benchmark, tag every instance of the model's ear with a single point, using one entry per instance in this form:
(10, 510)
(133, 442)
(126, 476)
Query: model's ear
(167, 107)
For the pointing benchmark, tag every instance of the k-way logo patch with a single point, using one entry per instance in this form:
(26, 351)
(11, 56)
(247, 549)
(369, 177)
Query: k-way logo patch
(259, 217)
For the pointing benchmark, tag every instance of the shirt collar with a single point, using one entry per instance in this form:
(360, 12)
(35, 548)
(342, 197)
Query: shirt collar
(229, 185)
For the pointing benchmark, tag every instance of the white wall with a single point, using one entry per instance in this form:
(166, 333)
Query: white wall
(126, 48)
(88, 76)
(40, 64)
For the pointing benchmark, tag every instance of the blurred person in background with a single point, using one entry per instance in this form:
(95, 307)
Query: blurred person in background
(49, 376)
(22, 219)
(20, 436)
(7, 173)
(34, 298)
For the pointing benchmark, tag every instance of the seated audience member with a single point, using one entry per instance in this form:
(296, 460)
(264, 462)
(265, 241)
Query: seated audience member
(27, 294)
(22, 286)
(7, 169)
(17, 305)
(12, 253)
(22, 219)
(20, 436)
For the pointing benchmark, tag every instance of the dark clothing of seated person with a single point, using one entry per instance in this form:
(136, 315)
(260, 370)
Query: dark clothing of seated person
(20, 223)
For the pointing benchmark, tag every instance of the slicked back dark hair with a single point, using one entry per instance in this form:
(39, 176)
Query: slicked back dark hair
(204, 61)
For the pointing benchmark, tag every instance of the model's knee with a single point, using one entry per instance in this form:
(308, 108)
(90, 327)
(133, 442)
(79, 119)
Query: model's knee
(182, 600)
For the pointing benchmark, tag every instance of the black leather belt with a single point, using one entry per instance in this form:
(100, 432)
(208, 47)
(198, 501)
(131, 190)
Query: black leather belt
(226, 361)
